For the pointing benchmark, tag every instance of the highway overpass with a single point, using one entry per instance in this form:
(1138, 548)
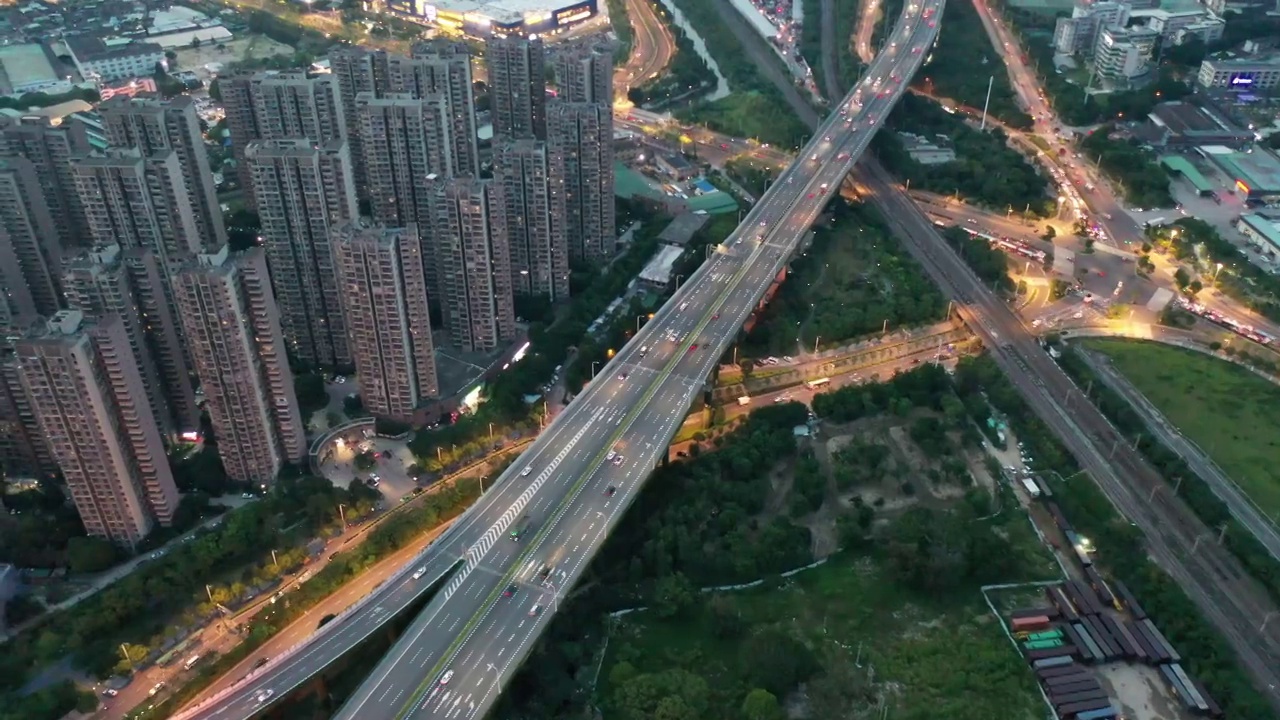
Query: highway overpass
(576, 480)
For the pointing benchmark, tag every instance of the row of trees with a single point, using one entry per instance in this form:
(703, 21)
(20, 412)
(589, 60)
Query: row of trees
(394, 533)
(170, 593)
(849, 283)
(1205, 653)
(986, 170)
(1143, 179)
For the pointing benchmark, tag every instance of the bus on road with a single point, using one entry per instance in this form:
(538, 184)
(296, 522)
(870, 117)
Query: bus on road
(811, 384)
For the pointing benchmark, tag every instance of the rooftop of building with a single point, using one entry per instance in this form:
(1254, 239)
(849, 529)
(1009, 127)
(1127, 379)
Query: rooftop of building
(1259, 169)
(28, 63)
(1265, 224)
(1186, 119)
(503, 11)
(912, 142)
(676, 160)
(659, 268)
(682, 229)
(88, 48)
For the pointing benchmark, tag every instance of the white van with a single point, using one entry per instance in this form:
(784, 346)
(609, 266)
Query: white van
(533, 611)
(191, 662)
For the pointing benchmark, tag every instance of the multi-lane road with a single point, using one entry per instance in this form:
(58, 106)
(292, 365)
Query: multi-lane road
(652, 48)
(572, 486)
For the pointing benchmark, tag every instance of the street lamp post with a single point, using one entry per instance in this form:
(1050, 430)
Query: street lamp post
(594, 363)
(342, 514)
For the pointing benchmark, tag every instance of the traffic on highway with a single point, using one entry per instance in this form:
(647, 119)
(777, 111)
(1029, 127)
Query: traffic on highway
(572, 486)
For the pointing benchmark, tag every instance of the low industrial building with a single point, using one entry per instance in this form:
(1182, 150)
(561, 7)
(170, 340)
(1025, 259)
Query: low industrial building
(30, 67)
(675, 166)
(657, 274)
(1256, 172)
(927, 151)
(1181, 125)
(682, 228)
(113, 58)
(1262, 229)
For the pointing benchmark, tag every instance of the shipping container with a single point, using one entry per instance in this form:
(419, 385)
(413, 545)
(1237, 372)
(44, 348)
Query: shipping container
(1102, 637)
(1072, 636)
(1123, 642)
(1050, 664)
(1061, 666)
(1086, 685)
(1193, 695)
(1050, 634)
(1056, 513)
(1157, 650)
(1176, 687)
(1043, 644)
(1100, 587)
(1129, 601)
(1157, 636)
(1060, 601)
(1049, 612)
(1122, 630)
(1140, 637)
(1214, 710)
(1078, 677)
(1086, 593)
(1044, 486)
(1073, 711)
(1105, 713)
(1090, 646)
(1030, 624)
(1080, 702)
(1034, 655)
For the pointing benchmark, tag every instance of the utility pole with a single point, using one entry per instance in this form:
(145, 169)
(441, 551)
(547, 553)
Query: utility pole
(986, 103)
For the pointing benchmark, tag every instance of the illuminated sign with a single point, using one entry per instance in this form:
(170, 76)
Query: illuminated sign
(572, 15)
(1243, 187)
(1238, 80)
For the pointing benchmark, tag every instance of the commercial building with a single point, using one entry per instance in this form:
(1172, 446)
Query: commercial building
(1124, 54)
(580, 142)
(1079, 33)
(88, 397)
(233, 327)
(113, 58)
(482, 18)
(539, 250)
(517, 86)
(131, 285)
(1262, 229)
(1190, 23)
(469, 241)
(385, 302)
(304, 192)
(443, 68)
(30, 254)
(1255, 172)
(1259, 72)
(584, 74)
(152, 125)
(50, 148)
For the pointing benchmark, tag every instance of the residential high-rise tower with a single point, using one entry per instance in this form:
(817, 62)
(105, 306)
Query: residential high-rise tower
(88, 397)
(233, 327)
(50, 148)
(384, 295)
(304, 192)
(30, 250)
(470, 243)
(517, 86)
(539, 251)
(585, 75)
(152, 125)
(580, 141)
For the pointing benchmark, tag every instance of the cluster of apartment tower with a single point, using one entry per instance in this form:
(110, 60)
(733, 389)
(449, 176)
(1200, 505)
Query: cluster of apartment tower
(121, 296)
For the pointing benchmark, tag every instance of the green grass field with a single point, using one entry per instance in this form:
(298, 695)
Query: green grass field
(1228, 411)
(925, 658)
